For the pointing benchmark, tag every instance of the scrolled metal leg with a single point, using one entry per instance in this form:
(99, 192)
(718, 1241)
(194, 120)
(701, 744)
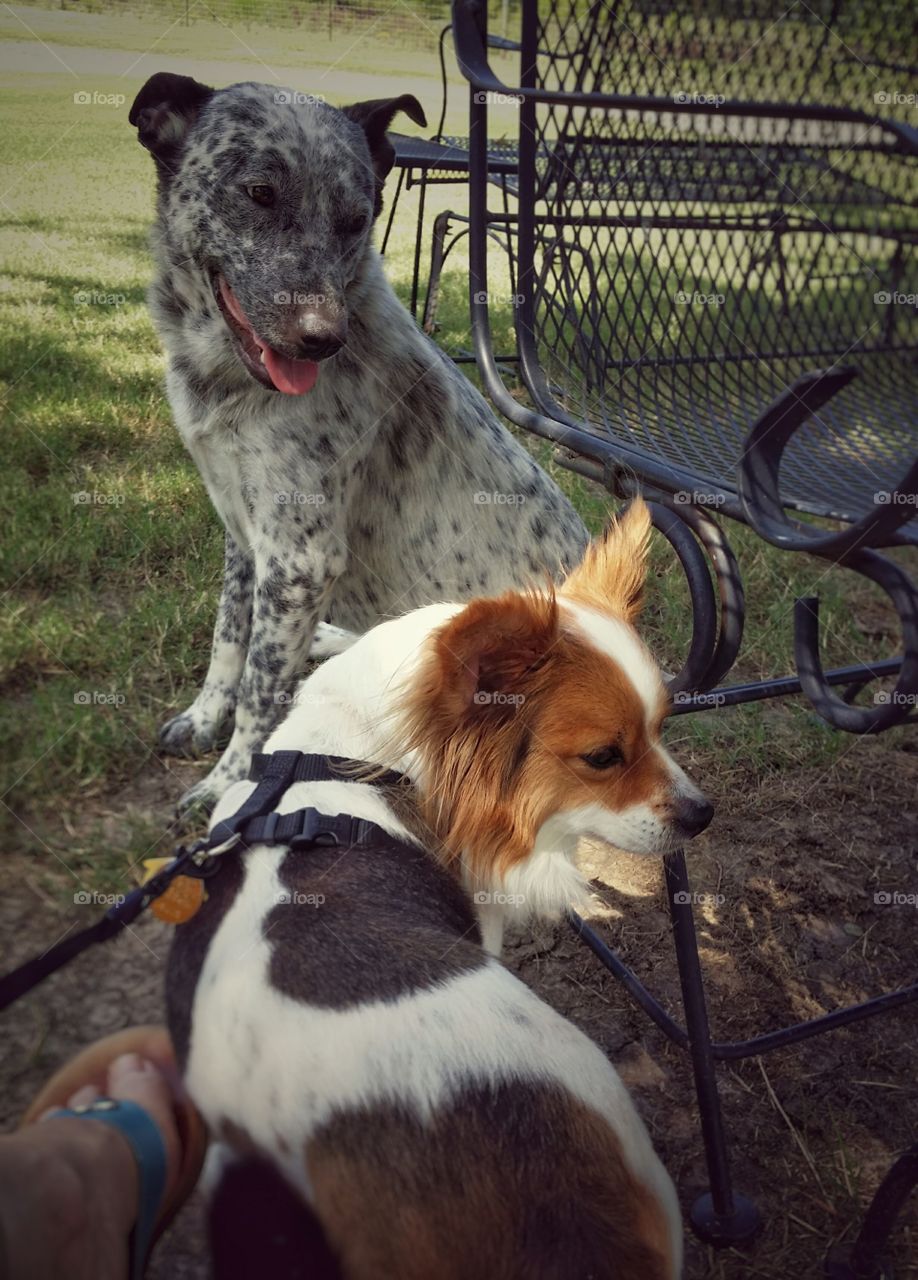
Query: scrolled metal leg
(704, 606)
(864, 1259)
(759, 488)
(891, 708)
(729, 589)
(715, 645)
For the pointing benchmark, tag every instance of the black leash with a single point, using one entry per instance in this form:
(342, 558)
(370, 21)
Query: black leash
(255, 823)
(116, 918)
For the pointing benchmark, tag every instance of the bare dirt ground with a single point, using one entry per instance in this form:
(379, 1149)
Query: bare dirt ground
(791, 928)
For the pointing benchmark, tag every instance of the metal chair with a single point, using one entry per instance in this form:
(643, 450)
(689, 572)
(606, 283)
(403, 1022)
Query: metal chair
(716, 220)
(442, 160)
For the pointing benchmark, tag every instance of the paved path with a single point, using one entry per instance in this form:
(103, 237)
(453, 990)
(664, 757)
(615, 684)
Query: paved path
(30, 57)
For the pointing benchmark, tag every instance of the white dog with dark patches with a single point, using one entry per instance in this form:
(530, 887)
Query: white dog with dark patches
(341, 1017)
(356, 471)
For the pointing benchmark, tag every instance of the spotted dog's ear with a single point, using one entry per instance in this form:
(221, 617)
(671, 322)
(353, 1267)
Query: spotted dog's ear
(374, 118)
(163, 112)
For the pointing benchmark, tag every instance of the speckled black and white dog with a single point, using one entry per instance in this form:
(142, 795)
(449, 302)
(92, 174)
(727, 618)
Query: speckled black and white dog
(357, 473)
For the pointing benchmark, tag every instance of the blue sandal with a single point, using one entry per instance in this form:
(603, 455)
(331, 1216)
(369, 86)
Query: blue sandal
(143, 1137)
(155, 1210)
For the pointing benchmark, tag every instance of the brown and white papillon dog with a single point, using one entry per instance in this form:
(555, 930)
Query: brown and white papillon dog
(341, 1014)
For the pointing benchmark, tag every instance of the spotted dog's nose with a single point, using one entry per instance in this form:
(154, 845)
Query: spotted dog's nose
(317, 331)
(691, 814)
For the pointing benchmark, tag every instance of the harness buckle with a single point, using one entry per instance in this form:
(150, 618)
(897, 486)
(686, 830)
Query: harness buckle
(276, 776)
(312, 831)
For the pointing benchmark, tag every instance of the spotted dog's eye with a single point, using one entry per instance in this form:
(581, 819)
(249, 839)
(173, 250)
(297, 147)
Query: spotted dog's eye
(604, 758)
(352, 226)
(261, 193)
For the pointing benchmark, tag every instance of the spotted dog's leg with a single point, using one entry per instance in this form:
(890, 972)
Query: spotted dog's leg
(195, 730)
(291, 593)
(329, 640)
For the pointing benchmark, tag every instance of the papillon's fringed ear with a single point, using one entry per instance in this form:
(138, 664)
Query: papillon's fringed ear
(612, 572)
(163, 112)
(466, 715)
(484, 657)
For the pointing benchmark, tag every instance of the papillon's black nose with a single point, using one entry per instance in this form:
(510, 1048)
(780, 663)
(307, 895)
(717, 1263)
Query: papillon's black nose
(691, 814)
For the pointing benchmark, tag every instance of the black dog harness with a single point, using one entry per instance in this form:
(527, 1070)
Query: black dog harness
(255, 823)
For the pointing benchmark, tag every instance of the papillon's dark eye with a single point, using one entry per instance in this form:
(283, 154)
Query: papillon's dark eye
(604, 758)
(261, 193)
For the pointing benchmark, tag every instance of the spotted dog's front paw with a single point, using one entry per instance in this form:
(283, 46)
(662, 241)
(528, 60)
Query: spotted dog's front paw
(199, 801)
(187, 735)
(203, 796)
(329, 640)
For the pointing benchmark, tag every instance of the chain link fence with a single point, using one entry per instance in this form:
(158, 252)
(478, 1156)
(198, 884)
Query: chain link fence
(413, 23)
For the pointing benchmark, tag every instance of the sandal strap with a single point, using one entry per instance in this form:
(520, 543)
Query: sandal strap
(145, 1140)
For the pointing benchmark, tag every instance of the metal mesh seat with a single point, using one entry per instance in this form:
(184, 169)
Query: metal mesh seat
(711, 206)
(442, 158)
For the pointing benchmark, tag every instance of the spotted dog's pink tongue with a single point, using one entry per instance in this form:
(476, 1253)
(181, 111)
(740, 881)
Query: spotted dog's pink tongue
(293, 377)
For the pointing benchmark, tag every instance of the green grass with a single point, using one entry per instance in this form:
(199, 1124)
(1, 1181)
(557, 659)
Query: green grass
(114, 597)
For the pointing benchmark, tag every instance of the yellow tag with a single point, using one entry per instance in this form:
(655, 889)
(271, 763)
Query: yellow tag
(151, 866)
(181, 900)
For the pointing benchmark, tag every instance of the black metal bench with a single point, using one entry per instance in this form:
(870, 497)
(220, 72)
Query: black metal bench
(714, 232)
